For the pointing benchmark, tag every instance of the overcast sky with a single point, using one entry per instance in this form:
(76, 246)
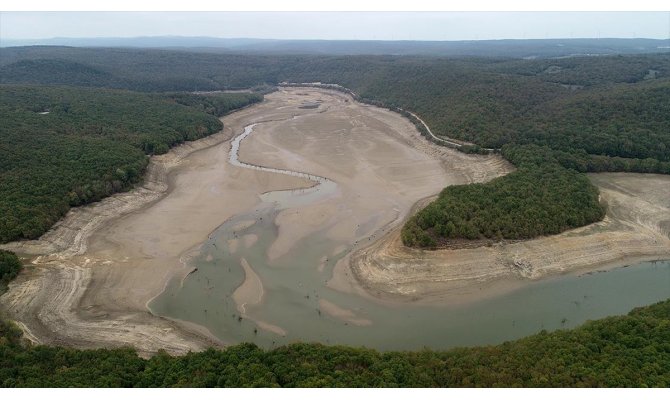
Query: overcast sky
(338, 25)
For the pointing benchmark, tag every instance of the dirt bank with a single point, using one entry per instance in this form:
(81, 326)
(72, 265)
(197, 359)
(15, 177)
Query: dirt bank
(636, 228)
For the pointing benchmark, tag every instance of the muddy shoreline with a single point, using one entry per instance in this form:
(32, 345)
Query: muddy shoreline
(53, 270)
(58, 298)
(634, 230)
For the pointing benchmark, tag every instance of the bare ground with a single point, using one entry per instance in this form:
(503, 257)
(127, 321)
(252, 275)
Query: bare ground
(93, 273)
(636, 228)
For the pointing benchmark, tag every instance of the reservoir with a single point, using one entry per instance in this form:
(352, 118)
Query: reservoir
(293, 288)
(240, 295)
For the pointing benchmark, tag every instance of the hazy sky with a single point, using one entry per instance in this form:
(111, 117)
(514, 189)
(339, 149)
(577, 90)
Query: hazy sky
(338, 25)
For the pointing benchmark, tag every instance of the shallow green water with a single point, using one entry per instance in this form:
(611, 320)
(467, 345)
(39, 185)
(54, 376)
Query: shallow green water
(293, 286)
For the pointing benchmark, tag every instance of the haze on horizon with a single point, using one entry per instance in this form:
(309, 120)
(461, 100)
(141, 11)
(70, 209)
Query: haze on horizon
(433, 26)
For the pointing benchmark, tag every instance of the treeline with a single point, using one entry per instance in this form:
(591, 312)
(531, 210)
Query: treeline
(216, 104)
(624, 351)
(65, 146)
(613, 106)
(590, 71)
(627, 121)
(10, 265)
(537, 199)
(580, 160)
(466, 102)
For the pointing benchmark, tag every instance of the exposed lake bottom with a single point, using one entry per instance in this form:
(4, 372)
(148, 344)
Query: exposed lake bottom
(294, 293)
(240, 294)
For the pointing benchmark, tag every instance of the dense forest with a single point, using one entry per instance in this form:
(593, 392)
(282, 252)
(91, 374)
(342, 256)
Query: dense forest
(488, 101)
(534, 200)
(587, 114)
(10, 265)
(66, 146)
(624, 351)
(566, 103)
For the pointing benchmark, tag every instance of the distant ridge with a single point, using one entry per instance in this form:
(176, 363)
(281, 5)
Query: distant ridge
(518, 48)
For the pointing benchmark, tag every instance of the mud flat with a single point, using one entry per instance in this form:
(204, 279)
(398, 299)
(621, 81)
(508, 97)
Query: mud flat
(636, 228)
(94, 273)
(370, 166)
(266, 243)
(381, 163)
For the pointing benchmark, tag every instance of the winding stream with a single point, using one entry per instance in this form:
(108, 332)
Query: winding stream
(283, 198)
(288, 301)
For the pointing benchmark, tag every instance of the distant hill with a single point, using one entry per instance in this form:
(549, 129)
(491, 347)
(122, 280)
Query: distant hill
(530, 48)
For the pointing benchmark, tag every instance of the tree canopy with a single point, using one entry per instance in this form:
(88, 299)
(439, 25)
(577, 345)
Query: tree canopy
(66, 146)
(588, 114)
(535, 200)
(625, 351)
(10, 265)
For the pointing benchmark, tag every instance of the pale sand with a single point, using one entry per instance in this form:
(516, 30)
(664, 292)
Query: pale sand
(243, 225)
(249, 240)
(233, 244)
(250, 292)
(380, 163)
(344, 314)
(296, 224)
(270, 328)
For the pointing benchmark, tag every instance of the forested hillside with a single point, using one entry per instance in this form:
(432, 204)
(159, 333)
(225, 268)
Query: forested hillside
(625, 351)
(66, 146)
(607, 113)
(491, 48)
(9, 268)
(566, 104)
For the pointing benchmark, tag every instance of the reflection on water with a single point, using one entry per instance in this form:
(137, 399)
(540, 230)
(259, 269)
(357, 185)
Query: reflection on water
(294, 284)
